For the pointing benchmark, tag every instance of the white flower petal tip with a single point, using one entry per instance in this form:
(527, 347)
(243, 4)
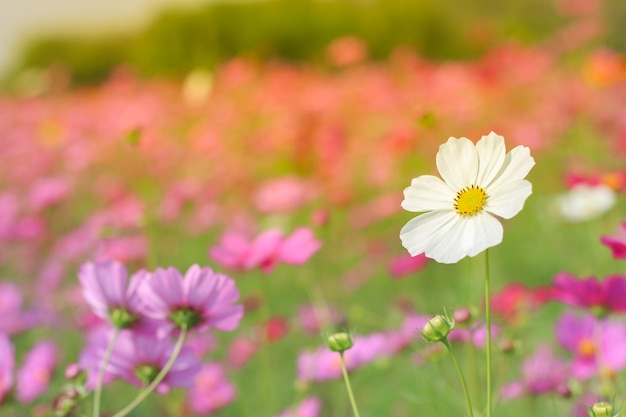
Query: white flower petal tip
(477, 182)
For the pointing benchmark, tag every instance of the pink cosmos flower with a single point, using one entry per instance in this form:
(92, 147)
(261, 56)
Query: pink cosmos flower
(106, 291)
(211, 389)
(312, 318)
(138, 358)
(513, 302)
(200, 300)
(597, 345)
(121, 248)
(7, 365)
(608, 295)
(241, 350)
(324, 364)
(617, 242)
(309, 407)
(283, 195)
(265, 251)
(48, 191)
(541, 373)
(404, 265)
(35, 374)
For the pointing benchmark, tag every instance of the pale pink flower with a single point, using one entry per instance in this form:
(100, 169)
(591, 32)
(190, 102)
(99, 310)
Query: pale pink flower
(35, 375)
(238, 251)
(241, 350)
(200, 300)
(404, 265)
(283, 195)
(211, 389)
(309, 407)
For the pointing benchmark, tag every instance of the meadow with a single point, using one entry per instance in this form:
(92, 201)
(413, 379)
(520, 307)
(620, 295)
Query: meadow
(286, 180)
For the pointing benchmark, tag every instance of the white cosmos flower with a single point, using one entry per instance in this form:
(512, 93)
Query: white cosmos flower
(478, 181)
(585, 202)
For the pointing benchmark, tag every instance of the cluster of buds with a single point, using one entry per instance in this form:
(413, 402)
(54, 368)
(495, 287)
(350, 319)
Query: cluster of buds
(66, 404)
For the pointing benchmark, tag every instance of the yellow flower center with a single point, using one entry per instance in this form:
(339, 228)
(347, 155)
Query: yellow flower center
(470, 200)
(586, 348)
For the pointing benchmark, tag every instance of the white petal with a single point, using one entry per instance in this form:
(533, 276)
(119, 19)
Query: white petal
(418, 233)
(468, 237)
(457, 162)
(509, 198)
(491, 154)
(517, 164)
(487, 232)
(427, 193)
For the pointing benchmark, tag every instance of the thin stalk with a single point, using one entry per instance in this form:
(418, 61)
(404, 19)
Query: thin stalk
(468, 401)
(105, 361)
(488, 324)
(346, 379)
(156, 381)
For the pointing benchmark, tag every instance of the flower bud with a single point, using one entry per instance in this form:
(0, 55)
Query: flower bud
(602, 409)
(339, 342)
(437, 328)
(463, 315)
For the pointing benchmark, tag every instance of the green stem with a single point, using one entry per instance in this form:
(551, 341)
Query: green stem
(461, 377)
(348, 387)
(488, 324)
(103, 365)
(156, 381)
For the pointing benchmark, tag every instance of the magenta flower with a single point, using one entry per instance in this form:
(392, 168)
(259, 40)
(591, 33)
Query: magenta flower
(138, 358)
(617, 242)
(598, 346)
(541, 373)
(34, 376)
(608, 295)
(200, 300)
(211, 389)
(324, 364)
(7, 365)
(105, 290)
(309, 407)
(238, 251)
(404, 265)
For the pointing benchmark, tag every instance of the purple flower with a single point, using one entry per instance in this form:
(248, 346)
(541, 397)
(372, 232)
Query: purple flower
(608, 295)
(309, 407)
(138, 358)
(211, 389)
(598, 346)
(34, 376)
(201, 300)
(105, 290)
(617, 242)
(541, 373)
(7, 365)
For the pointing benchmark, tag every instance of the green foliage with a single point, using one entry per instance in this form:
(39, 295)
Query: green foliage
(178, 41)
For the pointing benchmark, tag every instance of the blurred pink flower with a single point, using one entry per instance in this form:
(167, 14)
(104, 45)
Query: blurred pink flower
(347, 50)
(403, 265)
(240, 350)
(265, 251)
(47, 192)
(283, 195)
(7, 365)
(515, 300)
(211, 389)
(200, 300)
(324, 364)
(312, 318)
(137, 358)
(617, 242)
(308, 407)
(608, 295)
(598, 345)
(121, 249)
(541, 373)
(35, 375)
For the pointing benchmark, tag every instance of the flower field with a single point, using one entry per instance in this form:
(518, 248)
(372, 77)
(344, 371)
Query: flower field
(205, 245)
